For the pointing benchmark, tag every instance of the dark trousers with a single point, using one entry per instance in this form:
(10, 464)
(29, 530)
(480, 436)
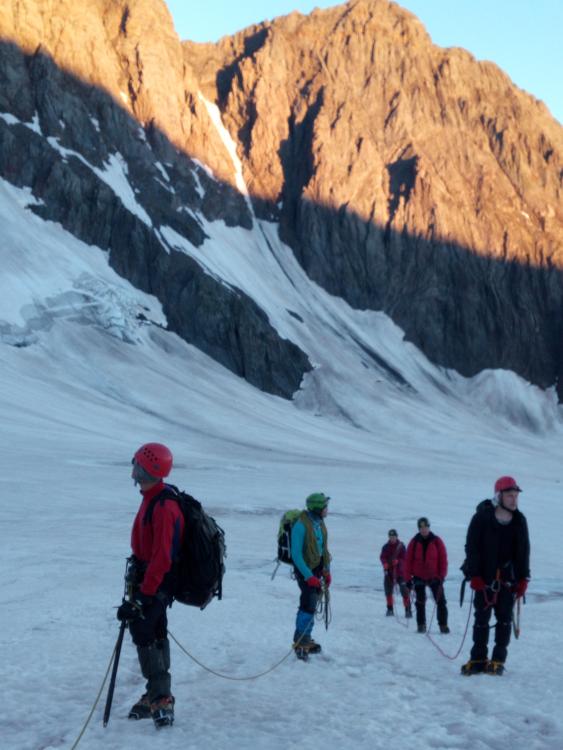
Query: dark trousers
(502, 608)
(389, 584)
(437, 589)
(149, 634)
(308, 600)
(152, 627)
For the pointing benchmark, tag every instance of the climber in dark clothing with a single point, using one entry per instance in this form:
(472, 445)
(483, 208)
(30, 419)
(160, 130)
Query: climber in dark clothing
(498, 565)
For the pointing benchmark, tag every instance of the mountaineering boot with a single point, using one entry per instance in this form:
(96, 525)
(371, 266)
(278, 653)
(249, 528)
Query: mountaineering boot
(304, 640)
(155, 663)
(141, 709)
(408, 612)
(162, 711)
(474, 666)
(389, 612)
(312, 646)
(494, 667)
(444, 629)
(421, 627)
(307, 645)
(299, 645)
(301, 653)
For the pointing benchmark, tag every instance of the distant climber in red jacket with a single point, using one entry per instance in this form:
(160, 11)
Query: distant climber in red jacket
(426, 563)
(393, 560)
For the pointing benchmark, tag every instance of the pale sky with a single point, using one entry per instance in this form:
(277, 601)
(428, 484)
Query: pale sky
(524, 37)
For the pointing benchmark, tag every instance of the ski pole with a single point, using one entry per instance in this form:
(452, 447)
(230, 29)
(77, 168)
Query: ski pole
(111, 686)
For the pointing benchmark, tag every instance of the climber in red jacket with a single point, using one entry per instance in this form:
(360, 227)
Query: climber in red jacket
(426, 564)
(393, 560)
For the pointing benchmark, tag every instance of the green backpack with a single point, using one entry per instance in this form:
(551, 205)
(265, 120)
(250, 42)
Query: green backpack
(284, 535)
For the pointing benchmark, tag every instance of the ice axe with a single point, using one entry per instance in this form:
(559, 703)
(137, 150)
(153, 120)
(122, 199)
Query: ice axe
(462, 592)
(111, 687)
(129, 580)
(516, 619)
(275, 569)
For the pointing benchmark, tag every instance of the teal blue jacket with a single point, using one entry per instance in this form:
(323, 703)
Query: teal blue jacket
(298, 533)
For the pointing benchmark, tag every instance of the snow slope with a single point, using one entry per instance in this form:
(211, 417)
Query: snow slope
(389, 436)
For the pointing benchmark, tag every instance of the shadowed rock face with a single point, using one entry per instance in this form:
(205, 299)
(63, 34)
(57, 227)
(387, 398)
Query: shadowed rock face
(79, 130)
(406, 178)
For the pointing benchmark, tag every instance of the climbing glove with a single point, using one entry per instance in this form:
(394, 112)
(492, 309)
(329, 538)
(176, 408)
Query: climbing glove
(132, 609)
(313, 582)
(520, 588)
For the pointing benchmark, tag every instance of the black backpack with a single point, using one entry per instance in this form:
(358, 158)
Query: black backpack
(199, 570)
(284, 535)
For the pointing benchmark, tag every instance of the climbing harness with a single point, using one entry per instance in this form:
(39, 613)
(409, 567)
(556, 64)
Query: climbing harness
(494, 588)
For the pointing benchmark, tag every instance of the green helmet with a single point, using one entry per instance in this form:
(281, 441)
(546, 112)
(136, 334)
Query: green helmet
(317, 501)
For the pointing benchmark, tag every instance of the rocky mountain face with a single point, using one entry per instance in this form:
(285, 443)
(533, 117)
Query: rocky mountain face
(91, 90)
(405, 177)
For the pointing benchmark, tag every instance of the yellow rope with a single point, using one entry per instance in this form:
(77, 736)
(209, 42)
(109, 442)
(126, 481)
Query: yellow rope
(249, 677)
(232, 677)
(96, 701)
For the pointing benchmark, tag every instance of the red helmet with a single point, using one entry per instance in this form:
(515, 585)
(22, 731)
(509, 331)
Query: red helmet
(506, 483)
(155, 458)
